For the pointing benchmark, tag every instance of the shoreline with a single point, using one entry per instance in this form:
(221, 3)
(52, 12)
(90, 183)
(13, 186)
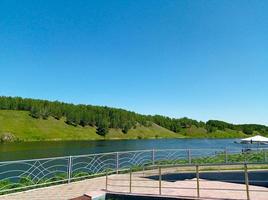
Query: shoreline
(117, 139)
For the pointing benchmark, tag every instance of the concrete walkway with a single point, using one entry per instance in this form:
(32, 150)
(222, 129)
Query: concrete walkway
(142, 185)
(59, 192)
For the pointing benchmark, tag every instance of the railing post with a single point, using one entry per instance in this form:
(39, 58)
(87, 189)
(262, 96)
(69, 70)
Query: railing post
(226, 155)
(106, 180)
(246, 180)
(69, 169)
(160, 180)
(265, 155)
(245, 156)
(197, 181)
(117, 162)
(130, 180)
(189, 156)
(153, 156)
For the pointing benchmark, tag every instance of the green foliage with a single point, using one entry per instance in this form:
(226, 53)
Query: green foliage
(30, 183)
(126, 127)
(26, 181)
(58, 177)
(103, 128)
(7, 137)
(5, 185)
(106, 118)
(219, 125)
(247, 130)
(82, 174)
(214, 125)
(219, 158)
(26, 128)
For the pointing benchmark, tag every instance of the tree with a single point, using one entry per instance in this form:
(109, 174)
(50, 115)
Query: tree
(115, 118)
(35, 113)
(103, 128)
(126, 127)
(211, 129)
(247, 130)
(44, 113)
(73, 118)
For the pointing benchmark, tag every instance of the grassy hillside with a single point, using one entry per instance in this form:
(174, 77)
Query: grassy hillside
(195, 132)
(27, 128)
(54, 120)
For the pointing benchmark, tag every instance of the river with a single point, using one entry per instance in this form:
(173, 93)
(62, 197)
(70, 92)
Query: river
(29, 150)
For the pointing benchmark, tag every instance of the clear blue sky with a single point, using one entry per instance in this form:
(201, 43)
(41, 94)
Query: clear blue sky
(200, 59)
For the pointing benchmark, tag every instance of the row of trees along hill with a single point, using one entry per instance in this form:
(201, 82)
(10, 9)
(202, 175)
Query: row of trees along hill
(105, 117)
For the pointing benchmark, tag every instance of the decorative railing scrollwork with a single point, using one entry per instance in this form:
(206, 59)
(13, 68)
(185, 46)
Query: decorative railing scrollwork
(27, 174)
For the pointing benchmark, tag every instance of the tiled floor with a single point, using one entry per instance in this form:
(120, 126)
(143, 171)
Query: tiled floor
(142, 185)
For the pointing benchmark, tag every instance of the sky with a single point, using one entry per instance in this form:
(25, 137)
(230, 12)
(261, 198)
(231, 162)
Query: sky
(199, 59)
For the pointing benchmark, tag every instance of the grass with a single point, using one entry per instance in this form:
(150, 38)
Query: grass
(196, 132)
(26, 128)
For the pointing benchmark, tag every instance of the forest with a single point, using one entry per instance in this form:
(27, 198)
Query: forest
(104, 118)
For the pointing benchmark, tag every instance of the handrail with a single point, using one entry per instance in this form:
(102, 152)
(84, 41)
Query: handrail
(37, 172)
(159, 186)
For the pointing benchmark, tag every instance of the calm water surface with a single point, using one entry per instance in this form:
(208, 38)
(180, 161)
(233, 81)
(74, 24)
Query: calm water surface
(28, 150)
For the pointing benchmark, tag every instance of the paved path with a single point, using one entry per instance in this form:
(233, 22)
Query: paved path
(59, 192)
(143, 185)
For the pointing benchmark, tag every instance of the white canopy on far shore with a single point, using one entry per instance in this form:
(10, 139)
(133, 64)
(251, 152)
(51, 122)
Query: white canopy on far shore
(255, 139)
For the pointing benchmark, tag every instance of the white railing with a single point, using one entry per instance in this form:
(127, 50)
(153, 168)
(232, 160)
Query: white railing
(27, 174)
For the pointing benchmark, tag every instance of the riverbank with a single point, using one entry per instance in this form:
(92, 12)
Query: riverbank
(26, 128)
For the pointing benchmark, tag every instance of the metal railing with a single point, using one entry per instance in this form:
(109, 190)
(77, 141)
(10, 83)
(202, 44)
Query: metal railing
(155, 179)
(27, 174)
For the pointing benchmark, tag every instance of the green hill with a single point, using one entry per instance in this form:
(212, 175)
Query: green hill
(26, 128)
(33, 119)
